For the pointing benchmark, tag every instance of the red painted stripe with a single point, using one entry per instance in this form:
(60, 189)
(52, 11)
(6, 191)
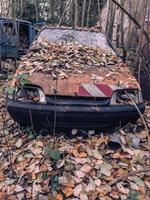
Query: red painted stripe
(83, 92)
(105, 89)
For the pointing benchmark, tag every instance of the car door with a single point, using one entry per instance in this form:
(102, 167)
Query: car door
(9, 39)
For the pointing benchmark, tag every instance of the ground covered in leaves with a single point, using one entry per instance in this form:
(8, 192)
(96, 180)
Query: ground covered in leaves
(59, 168)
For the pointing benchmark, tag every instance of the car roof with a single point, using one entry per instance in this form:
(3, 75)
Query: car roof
(17, 20)
(95, 30)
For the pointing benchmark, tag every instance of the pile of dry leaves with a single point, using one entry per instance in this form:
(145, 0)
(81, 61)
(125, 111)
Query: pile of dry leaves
(57, 168)
(72, 60)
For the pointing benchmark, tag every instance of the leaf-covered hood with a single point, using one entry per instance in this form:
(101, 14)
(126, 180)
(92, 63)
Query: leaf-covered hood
(69, 68)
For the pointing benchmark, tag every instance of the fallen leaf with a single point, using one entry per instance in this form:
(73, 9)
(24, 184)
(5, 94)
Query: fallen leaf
(31, 167)
(3, 193)
(122, 189)
(77, 190)
(97, 155)
(134, 186)
(105, 169)
(39, 143)
(122, 138)
(80, 160)
(138, 181)
(104, 190)
(79, 174)
(19, 188)
(63, 180)
(98, 182)
(129, 151)
(86, 168)
(142, 189)
(54, 154)
(58, 197)
(83, 196)
(19, 143)
(60, 164)
(1, 176)
(82, 155)
(142, 134)
(68, 191)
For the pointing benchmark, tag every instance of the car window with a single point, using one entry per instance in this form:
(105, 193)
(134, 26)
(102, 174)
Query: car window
(63, 36)
(9, 29)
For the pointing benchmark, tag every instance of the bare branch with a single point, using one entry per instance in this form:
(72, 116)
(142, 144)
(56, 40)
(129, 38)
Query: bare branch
(132, 18)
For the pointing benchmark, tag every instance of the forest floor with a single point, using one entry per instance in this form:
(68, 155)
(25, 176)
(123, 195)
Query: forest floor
(59, 168)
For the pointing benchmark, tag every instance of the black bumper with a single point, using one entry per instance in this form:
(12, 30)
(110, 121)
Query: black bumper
(72, 116)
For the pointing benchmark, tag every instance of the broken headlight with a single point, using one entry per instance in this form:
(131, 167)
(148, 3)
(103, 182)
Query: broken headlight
(30, 94)
(126, 97)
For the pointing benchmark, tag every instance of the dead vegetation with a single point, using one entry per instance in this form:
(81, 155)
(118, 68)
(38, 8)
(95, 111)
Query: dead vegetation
(32, 167)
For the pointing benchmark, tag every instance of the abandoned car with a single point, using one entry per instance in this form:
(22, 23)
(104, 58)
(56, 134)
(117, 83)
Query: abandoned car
(73, 78)
(15, 37)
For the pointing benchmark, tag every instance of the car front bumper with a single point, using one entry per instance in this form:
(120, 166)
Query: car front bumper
(42, 115)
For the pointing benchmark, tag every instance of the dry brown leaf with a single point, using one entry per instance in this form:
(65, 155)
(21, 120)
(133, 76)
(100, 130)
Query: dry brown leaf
(122, 189)
(79, 174)
(142, 189)
(134, 186)
(19, 188)
(96, 154)
(114, 195)
(75, 152)
(82, 155)
(43, 167)
(60, 164)
(106, 169)
(3, 194)
(68, 191)
(142, 134)
(83, 196)
(121, 172)
(77, 190)
(131, 152)
(2, 176)
(19, 143)
(98, 182)
(104, 190)
(86, 168)
(33, 175)
(80, 160)
(59, 196)
(123, 140)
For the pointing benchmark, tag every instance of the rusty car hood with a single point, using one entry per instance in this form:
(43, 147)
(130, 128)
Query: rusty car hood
(75, 84)
(75, 70)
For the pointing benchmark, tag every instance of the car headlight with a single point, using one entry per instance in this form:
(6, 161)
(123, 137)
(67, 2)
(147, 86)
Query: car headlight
(30, 94)
(126, 97)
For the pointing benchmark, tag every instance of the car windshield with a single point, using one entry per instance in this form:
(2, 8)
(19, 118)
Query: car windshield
(82, 37)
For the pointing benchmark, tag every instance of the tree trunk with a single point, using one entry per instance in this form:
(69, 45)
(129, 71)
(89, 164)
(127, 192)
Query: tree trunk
(88, 13)
(111, 19)
(122, 32)
(76, 17)
(99, 14)
(36, 10)
(132, 18)
(83, 13)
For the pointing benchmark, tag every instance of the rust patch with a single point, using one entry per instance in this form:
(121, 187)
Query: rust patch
(71, 85)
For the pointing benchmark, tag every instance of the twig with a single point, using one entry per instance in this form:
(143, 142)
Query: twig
(127, 175)
(139, 72)
(144, 122)
(55, 115)
(64, 13)
(6, 142)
